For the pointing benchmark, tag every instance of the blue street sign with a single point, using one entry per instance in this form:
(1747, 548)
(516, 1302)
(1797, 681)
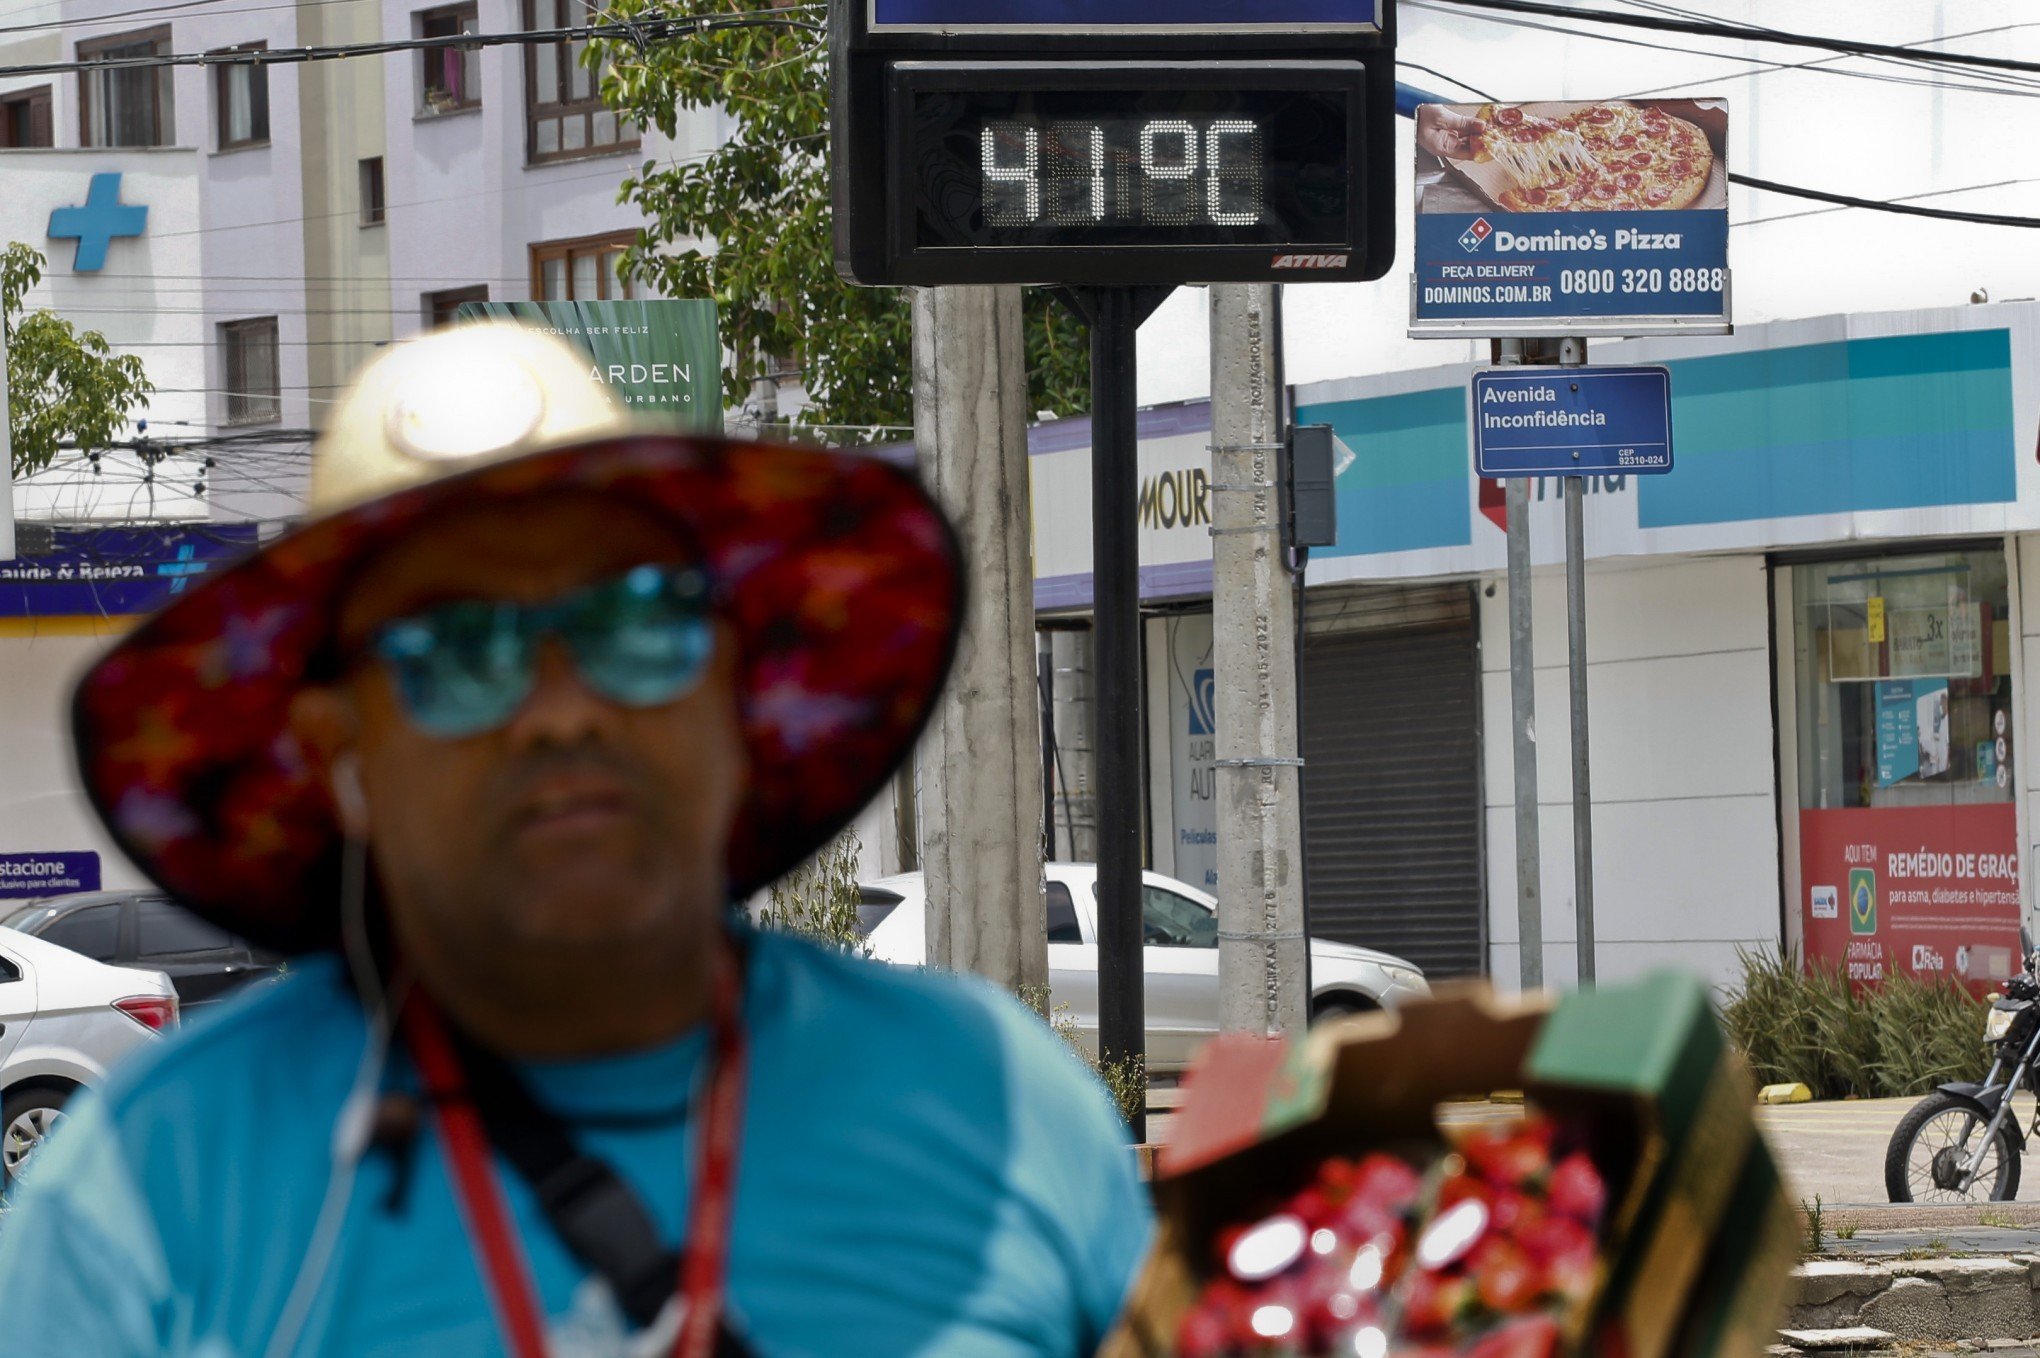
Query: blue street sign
(95, 225)
(1160, 16)
(47, 874)
(1572, 421)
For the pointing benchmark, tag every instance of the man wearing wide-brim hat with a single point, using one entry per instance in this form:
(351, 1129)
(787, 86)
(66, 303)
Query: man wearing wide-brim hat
(492, 742)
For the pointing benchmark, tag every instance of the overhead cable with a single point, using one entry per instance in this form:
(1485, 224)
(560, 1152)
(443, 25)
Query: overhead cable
(1714, 28)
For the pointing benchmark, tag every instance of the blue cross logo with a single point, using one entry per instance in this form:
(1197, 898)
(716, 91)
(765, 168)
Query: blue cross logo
(95, 225)
(183, 568)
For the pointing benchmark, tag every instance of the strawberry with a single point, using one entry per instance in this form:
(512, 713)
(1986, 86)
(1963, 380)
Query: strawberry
(1508, 1279)
(1516, 1158)
(1337, 1176)
(1314, 1205)
(1433, 1304)
(1577, 1189)
(1386, 1182)
(1515, 1213)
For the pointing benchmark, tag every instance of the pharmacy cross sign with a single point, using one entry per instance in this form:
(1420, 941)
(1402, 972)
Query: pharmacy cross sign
(95, 225)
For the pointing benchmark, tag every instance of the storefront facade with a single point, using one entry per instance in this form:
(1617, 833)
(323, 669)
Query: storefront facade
(1805, 658)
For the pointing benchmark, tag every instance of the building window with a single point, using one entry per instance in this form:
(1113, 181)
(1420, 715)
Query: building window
(564, 113)
(449, 78)
(241, 100)
(373, 207)
(586, 270)
(441, 308)
(25, 118)
(253, 381)
(129, 105)
(1906, 750)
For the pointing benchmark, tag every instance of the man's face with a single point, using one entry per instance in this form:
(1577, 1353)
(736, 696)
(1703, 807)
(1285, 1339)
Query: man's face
(579, 825)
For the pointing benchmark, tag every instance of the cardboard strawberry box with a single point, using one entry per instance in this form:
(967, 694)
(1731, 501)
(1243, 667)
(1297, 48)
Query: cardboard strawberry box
(1627, 1080)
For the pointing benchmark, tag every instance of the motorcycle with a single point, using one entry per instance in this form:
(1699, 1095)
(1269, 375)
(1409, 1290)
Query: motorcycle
(1962, 1142)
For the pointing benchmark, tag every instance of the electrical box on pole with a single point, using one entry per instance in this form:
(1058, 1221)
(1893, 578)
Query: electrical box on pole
(1310, 469)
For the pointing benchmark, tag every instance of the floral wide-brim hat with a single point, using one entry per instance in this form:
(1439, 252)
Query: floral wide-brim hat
(839, 577)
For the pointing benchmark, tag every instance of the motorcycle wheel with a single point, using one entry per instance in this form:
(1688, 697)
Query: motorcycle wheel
(1931, 1139)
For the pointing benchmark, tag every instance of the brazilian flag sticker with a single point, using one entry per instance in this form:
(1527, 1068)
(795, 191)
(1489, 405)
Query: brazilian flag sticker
(1863, 900)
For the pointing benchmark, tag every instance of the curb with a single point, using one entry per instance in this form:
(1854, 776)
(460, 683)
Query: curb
(1921, 1300)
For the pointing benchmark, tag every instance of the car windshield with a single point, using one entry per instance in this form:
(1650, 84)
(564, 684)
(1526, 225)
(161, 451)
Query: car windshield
(24, 917)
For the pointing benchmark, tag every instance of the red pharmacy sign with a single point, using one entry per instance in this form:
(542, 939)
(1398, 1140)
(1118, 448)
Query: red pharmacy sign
(1931, 891)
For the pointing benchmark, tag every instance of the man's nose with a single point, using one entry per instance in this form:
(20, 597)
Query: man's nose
(562, 708)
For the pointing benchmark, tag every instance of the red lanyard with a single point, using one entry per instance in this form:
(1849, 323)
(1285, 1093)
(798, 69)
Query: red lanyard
(705, 1260)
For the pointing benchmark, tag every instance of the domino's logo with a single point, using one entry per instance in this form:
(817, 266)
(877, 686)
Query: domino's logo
(1472, 238)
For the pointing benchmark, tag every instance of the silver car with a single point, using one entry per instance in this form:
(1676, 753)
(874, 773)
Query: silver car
(1181, 924)
(64, 1019)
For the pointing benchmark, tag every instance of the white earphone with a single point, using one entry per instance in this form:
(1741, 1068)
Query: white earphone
(349, 796)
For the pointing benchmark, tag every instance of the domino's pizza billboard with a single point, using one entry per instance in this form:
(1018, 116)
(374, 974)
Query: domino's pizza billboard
(1123, 16)
(1557, 219)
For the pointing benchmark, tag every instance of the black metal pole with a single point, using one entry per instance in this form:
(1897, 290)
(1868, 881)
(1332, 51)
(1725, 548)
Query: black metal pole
(1115, 589)
(1045, 670)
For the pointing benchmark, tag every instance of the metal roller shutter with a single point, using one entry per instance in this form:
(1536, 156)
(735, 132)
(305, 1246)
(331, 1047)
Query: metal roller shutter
(1392, 788)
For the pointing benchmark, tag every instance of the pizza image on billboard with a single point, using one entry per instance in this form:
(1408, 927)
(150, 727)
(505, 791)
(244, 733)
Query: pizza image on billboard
(1615, 156)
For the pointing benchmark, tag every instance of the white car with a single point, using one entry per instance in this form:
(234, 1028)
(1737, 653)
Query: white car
(64, 1019)
(1181, 957)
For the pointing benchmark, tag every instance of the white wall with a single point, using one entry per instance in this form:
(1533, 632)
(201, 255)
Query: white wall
(40, 811)
(131, 301)
(1685, 808)
(465, 208)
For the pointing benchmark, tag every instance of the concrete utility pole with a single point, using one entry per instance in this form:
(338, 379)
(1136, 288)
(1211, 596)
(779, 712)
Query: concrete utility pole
(1263, 960)
(980, 761)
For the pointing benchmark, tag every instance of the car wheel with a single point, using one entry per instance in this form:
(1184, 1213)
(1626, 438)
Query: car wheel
(1341, 1006)
(27, 1116)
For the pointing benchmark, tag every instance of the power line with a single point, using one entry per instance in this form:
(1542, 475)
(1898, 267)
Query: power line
(1711, 28)
(635, 31)
(1816, 67)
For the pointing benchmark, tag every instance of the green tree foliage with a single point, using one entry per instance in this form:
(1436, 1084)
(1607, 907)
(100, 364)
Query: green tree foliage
(749, 225)
(64, 386)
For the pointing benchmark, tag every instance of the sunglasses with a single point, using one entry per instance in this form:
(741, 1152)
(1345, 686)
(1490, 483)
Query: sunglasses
(641, 639)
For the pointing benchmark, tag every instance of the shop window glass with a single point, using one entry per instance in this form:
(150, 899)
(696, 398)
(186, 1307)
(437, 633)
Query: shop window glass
(1906, 747)
(1905, 691)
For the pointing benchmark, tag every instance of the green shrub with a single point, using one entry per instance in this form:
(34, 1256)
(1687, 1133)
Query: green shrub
(1125, 1081)
(1808, 1025)
(818, 900)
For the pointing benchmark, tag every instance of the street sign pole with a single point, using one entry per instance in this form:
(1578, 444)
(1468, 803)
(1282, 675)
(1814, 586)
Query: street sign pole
(1570, 421)
(1523, 718)
(1573, 354)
